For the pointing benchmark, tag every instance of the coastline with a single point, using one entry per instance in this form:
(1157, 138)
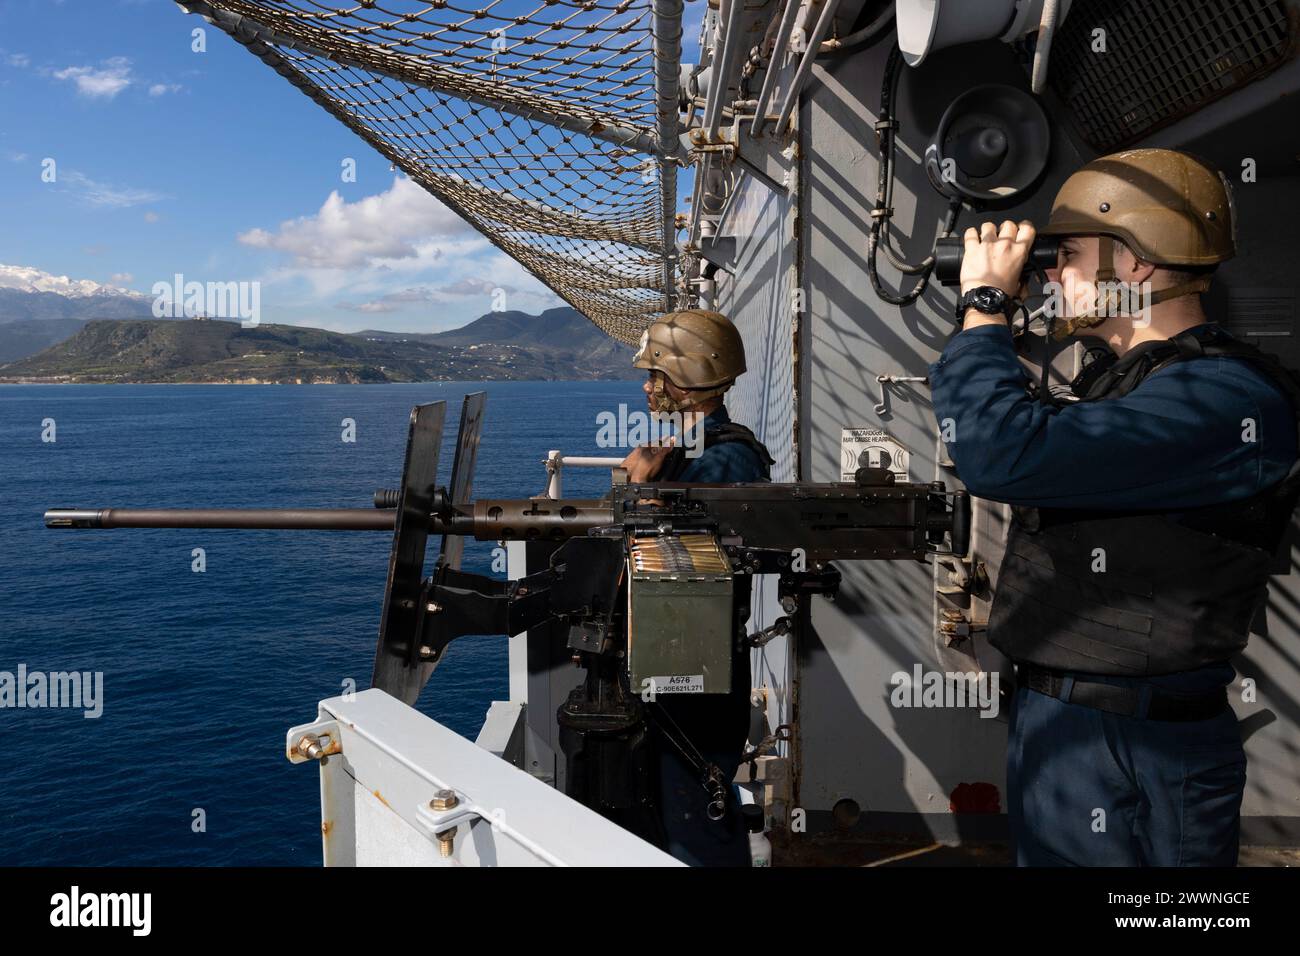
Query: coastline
(429, 381)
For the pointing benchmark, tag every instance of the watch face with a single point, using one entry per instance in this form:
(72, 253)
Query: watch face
(985, 299)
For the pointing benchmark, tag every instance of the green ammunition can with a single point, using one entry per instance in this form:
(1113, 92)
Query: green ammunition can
(680, 627)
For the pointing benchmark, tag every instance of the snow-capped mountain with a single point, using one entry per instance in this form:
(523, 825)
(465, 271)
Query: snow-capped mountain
(29, 279)
(38, 309)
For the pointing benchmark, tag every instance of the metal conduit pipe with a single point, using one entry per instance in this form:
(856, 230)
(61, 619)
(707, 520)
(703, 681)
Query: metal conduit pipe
(805, 65)
(774, 63)
(1046, 31)
(858, 37)
(668, 56)
(722, 67)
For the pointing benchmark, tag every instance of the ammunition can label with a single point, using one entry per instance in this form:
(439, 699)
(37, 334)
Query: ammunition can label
(678, 684)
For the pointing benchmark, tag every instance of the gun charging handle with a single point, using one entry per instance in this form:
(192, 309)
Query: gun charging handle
(960, 529)
(949, 514)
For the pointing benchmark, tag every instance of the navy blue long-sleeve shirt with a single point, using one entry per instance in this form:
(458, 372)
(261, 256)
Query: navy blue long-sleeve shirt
(724, 463)
(1178, 440)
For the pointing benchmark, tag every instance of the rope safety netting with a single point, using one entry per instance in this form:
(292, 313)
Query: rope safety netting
(535, 120)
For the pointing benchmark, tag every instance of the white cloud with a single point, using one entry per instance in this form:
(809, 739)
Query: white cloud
(151, 216)
(378, 306)
(399, 251)
(161, 89)
(465, 290)
(121, 278)
(475, 285)
(103, 82)
(105, 194)
(389, 227)
(467, 286)
(18, 59)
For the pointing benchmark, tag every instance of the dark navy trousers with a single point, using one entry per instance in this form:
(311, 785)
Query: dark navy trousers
(1090, 788)
(692, 837)
(717, 725)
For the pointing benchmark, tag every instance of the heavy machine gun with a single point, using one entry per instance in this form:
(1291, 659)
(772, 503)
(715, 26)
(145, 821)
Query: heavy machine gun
(651, 585)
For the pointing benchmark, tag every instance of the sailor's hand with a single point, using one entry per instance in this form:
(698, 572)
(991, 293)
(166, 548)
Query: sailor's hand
(996, 255)
(644, 463)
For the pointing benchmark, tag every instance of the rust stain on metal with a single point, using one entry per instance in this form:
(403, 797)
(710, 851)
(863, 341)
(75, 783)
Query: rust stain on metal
(325, 827)
(380, 797)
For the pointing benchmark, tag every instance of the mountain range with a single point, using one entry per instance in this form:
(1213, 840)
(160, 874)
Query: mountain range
(558, 344)
(57, 329)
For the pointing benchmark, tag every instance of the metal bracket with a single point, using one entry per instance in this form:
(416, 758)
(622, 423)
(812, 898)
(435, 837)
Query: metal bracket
(440, 821)
(769, 158)
(720, 250)
(310, 742)
(955, 627)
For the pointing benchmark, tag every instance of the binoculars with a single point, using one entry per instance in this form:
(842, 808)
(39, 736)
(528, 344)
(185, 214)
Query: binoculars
(948, 252)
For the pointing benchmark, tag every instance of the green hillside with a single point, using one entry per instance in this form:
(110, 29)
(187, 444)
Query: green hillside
(151, 350)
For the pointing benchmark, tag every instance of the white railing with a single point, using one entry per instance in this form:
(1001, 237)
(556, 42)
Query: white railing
(557, 462)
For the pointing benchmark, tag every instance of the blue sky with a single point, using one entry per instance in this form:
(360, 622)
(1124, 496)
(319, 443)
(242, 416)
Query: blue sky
(211, 165)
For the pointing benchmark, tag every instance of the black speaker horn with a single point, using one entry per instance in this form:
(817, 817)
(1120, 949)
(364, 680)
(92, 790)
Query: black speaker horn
(991, 144)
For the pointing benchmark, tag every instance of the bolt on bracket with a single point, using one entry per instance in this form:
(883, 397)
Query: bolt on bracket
(314, 741)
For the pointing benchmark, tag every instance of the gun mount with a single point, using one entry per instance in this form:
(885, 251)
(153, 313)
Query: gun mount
(652, 581)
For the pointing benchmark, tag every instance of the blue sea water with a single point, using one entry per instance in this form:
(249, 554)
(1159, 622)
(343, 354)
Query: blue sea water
(204, 672)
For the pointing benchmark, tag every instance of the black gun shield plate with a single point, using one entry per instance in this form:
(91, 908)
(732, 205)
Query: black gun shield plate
(397, 670)
(462, 469)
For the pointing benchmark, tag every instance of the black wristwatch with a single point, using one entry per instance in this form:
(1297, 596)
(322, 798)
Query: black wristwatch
(986, 299)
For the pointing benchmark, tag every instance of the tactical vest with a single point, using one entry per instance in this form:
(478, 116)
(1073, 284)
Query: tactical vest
(676, 462)
(1178, 590)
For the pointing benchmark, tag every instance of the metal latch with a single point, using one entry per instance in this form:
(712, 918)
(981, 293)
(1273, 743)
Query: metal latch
(886, 380)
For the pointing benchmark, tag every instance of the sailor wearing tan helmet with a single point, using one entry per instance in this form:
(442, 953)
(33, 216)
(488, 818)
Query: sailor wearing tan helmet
(1148, 506)
(693, 357)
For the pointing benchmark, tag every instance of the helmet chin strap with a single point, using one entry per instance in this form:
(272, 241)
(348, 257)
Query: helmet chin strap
(661, 401)
(1110, 304)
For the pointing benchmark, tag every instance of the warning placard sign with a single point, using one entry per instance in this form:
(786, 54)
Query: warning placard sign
(872, 448)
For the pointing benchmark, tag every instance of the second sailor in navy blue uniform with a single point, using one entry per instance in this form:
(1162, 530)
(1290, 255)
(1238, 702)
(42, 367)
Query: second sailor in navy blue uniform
(1146, 516)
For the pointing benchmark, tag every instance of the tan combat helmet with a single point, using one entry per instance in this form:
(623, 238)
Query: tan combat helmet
(696, 349)
(1168, 207)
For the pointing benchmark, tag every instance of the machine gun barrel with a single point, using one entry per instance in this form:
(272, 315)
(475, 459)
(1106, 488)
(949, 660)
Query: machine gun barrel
(491, 520)
(827, 521)
(285, 519)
